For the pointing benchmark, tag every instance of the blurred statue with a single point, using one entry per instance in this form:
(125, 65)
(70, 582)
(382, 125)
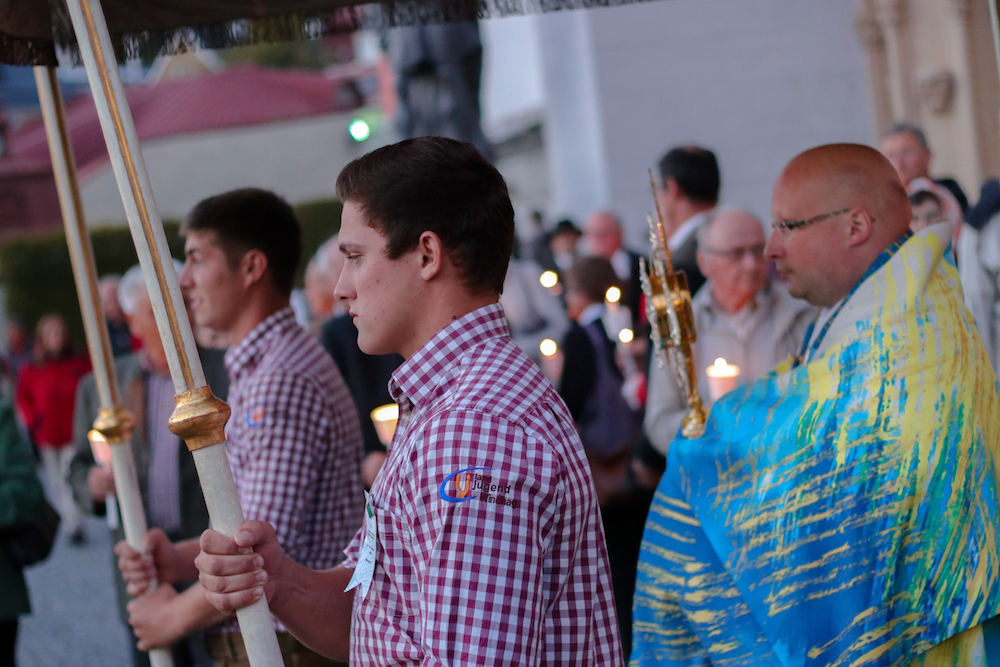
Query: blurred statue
(438, 74)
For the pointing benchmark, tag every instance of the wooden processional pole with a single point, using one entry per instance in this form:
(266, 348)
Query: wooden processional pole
(199, 417)
(995, 21)
(113, 422)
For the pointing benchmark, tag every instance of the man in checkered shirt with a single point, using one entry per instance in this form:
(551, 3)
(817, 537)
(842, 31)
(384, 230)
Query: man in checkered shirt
(294, 441)
(487, 545)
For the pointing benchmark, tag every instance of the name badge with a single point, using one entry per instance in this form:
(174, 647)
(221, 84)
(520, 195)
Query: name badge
(365, 569)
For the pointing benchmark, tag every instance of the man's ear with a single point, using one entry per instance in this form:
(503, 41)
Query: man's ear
(859, 227)
(702, 260)
(430, 252)
(253, 266)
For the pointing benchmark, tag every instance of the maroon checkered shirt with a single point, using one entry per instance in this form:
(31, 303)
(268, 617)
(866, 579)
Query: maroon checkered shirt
(294, 442)
(490, 545)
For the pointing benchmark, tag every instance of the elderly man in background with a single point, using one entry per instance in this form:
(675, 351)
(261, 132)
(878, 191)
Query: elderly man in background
(321, 276)
(602, 237)
(118, 331)
(740, 316)
(906, 147)
(842, 509)
(168, 481)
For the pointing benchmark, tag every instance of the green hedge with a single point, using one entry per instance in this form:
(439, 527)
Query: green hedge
(37, 276)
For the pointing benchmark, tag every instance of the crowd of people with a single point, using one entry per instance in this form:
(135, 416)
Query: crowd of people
(537, 503)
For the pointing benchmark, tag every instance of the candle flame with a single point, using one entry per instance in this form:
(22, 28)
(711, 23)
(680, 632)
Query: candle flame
(722, 369)
(613, 295)
(549, 279)
(548, 347)
(99, 447)
(386, 413)
(625, 335)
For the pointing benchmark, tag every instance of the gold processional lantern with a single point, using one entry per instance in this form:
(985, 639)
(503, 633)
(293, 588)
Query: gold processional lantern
(668, 309)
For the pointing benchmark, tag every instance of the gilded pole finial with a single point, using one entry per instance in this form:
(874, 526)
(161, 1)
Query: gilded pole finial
(668, 309)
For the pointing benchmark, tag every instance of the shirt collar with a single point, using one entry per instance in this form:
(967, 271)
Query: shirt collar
(247, 353)
(761, 299)
(418, 378)
(594, 311)
(687, 228)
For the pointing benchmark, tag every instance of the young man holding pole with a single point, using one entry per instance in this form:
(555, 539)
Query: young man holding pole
(482, 540)
(293, 439)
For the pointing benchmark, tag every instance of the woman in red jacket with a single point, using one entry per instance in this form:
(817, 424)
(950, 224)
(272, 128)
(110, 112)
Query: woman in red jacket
(46, 394)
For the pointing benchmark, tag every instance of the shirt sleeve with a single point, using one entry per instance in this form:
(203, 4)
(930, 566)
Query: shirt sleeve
(283, 422)
(481, 520)
(665, 407)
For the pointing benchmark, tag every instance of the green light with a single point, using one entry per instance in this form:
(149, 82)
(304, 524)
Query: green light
(359, 130)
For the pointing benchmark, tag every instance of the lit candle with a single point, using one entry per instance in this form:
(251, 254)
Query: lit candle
(549, 279)
(102, 455)
(548, 347)
(385, 418)
(613, 295)
(721, 378)
(100, 447)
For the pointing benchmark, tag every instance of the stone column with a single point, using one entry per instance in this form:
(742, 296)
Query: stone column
(892, 15)
(870, 33)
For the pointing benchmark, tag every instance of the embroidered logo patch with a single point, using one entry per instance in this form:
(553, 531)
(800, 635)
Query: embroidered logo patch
(255, 416)
(458, 486)
(475, 483)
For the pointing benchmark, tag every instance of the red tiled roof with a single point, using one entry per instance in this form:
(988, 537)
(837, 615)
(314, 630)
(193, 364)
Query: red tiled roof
(235, 97)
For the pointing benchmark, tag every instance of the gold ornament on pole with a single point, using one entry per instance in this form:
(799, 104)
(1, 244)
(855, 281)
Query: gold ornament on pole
(668, 309)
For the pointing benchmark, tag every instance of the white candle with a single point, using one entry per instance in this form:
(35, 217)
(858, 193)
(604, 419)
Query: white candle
(721, 379)
(385, 418)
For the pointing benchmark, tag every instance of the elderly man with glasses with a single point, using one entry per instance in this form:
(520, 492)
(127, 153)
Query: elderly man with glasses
(740, 316)
(843, 508)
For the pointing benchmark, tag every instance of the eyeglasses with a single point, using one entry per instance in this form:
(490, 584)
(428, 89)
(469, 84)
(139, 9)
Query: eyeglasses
(786, 226)
(737, 254)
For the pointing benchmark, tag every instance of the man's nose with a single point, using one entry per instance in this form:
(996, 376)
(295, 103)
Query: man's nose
(340, 291)
(773, 248)
(184, 277)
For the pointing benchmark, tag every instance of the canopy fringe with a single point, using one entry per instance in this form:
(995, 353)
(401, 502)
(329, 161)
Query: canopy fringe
(148, 44)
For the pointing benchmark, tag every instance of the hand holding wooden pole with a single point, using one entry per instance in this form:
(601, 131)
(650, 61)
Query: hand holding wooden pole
(199, 417)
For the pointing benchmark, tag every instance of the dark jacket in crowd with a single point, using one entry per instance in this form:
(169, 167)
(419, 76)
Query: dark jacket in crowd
(367, 376)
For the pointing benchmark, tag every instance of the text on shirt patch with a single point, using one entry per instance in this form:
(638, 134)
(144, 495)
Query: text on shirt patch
(474, 483)
(255, 416)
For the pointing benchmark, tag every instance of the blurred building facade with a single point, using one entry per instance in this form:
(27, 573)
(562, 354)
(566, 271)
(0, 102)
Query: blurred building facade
(757, 82)
(203, 130)
(932, 62)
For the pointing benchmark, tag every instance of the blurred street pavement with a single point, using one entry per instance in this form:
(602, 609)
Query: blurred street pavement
(74, 621)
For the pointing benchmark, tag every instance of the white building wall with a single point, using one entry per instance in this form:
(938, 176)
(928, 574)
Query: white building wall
(757, 81)
(298, 159)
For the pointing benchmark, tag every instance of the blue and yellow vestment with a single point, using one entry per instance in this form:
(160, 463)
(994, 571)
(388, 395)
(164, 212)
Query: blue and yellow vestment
(844, 511)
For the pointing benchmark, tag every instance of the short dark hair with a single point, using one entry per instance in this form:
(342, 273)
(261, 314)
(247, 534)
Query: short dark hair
(593, 276)
(252, 219)
(910, 129)
(442, 186)
(921, 197)
(696, 171)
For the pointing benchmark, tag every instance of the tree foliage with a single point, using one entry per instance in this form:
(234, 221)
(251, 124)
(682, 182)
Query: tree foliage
(37, 276)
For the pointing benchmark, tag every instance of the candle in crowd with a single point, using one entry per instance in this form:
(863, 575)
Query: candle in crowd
(721, 378)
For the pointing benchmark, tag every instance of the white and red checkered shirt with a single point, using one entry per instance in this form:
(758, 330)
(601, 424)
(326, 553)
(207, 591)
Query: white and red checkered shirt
(294, 442)
(490, 546)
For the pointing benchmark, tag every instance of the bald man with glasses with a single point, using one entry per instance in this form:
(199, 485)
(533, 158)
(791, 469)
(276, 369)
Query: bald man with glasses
(841, 509)
(740, 315)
